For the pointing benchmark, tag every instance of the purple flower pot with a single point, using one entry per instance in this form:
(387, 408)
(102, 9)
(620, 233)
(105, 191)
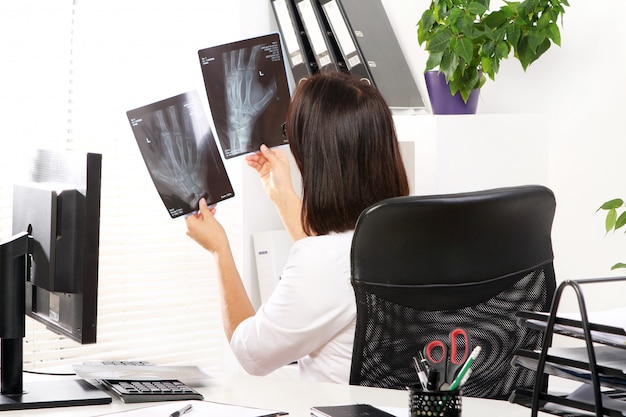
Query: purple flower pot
(442, 102)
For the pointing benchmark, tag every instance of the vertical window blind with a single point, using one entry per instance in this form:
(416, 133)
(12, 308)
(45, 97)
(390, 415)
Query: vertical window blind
(71, 70)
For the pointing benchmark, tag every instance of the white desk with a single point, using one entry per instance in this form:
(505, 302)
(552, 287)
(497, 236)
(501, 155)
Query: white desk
(295, 397)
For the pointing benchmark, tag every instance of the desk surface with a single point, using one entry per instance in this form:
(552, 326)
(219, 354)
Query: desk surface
(295, 397)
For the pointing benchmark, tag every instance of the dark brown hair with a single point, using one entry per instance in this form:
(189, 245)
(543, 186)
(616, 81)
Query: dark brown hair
(342, 136)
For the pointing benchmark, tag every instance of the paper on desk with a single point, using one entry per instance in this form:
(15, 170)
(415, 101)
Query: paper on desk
(138, 373)
(200, 408)
(606, 356)
(615, 318)
(585, 394)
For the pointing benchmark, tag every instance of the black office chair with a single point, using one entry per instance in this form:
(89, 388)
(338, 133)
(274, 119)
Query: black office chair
(423, 265)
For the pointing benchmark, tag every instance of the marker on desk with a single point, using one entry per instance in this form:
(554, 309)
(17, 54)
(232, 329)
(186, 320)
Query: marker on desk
(433, 380)
(182, 411)
(466, 367)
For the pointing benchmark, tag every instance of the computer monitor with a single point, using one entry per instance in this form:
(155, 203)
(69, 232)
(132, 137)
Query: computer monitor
(49, 271)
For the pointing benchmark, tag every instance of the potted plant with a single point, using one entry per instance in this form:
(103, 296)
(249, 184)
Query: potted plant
(614, 220)
(466, 41)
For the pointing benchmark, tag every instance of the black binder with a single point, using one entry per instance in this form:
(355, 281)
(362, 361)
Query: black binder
(379, 49)
(297, 46)
(322, 44)
(351, 55)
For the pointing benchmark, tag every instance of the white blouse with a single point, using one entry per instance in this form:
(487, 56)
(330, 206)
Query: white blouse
(309, 317)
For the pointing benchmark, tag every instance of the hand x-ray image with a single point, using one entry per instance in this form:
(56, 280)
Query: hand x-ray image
(248, 92)
(178, 147)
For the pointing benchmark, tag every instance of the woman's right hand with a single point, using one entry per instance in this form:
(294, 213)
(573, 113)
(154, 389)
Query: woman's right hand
(273, 168)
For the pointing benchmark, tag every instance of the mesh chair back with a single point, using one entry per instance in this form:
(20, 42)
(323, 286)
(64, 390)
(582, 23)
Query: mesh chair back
(422, 266)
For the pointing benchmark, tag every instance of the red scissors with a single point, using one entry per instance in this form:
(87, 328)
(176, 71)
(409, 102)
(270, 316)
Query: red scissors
(448, 358)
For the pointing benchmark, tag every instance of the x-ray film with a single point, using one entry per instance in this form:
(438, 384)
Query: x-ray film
(180, 152)
(248, 92)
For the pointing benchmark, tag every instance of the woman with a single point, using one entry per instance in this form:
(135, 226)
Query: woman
(342, 137)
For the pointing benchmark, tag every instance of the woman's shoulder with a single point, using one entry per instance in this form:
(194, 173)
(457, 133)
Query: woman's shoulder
(325, 241)
(313, 248)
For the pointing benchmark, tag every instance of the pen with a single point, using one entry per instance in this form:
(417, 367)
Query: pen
(465, 378)
(466, 366)
(182, 411)
(420, 373)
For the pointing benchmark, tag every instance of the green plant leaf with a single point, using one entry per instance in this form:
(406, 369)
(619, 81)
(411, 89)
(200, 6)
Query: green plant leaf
(513, 34)
(526, 55)
(477, 8)
(464, 49)
(618, 265)
(544, 20)
(434, 59)
(502, 50)
(449, 63)
(535, 38)
(611, 204)
(555, 33)
(439, 42)
(487, 66)
(621, 221)
(611, 218)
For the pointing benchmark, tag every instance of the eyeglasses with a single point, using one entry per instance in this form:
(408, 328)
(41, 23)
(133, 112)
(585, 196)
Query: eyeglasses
(284, 128)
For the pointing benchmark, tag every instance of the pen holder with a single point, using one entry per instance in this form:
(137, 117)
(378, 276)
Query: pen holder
(434, 403)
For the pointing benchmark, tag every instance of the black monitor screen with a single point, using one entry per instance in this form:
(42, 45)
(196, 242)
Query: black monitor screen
(60, 208)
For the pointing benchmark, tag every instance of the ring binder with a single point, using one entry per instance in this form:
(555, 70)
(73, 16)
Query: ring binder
(353, 36)
(298, 48)
(325, 55)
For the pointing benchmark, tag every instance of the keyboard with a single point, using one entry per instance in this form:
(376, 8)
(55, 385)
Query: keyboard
(131, 391)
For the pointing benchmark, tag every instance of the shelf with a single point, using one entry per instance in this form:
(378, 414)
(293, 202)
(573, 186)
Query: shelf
(600, 364)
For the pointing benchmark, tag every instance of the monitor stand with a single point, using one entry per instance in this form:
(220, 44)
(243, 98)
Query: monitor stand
(14, 394)
(51, 394)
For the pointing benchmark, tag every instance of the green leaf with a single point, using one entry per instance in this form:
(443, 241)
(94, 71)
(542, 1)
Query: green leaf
(424, 25)
(477, 8)
(465, 25)
(611, 218)
(513, 34)
(535, 37)
(465, 93)
(496, 19)
(502, 50)
(489, 49)
(434, 59)
(544, 20)
(464, 49)
(487, 66)
(611, 204)
(526, 55)
(449, 63)
(439, 42)
(618, 265)
(555, 33)
(621, 221)
(427, 20)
